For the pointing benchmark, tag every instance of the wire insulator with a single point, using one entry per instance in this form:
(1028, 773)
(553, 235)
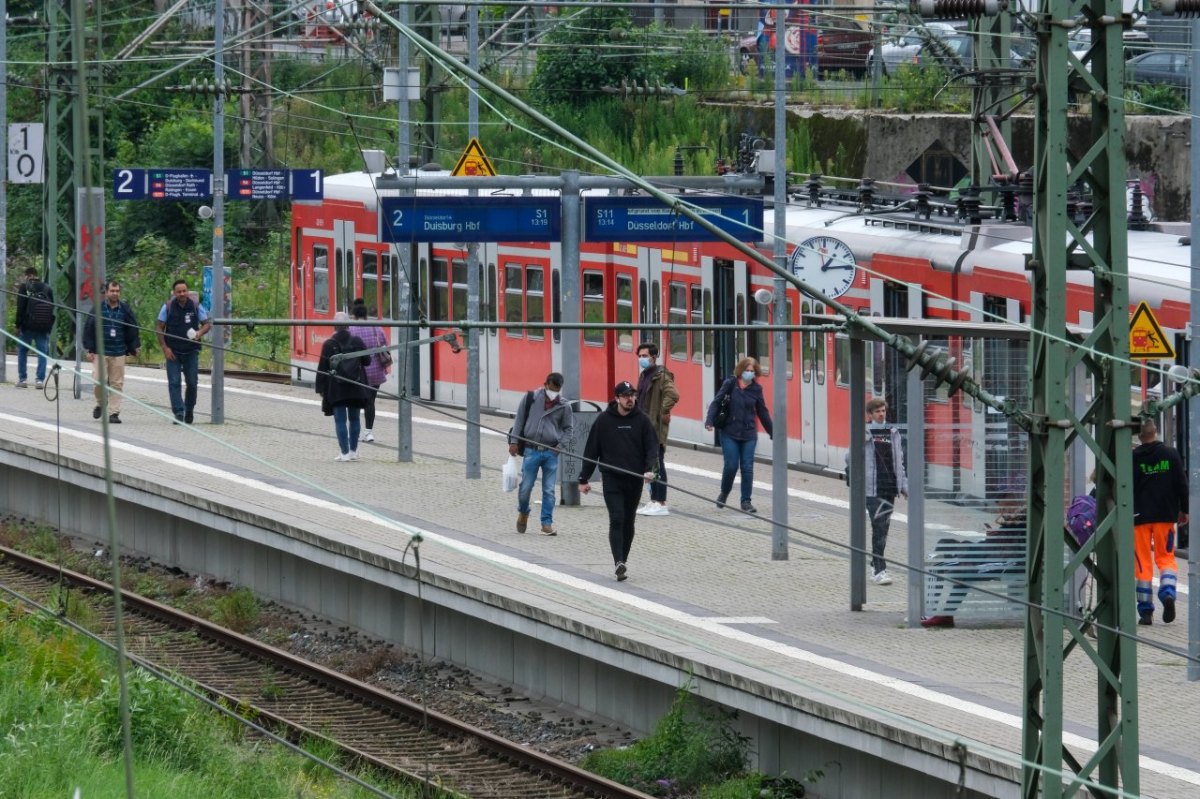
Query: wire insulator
(1137, 214)
(923, 193)
(866, 194)
(1178, 8)
(964, 9)
(813, 184)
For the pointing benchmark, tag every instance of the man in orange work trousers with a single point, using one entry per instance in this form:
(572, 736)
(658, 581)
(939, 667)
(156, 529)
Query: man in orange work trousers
(1160, 500)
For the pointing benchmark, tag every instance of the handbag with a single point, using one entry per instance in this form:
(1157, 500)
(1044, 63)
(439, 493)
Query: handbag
(385, 359)
(723, 406)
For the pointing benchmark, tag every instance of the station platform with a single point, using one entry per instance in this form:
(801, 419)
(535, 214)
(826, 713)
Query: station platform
(774, 639)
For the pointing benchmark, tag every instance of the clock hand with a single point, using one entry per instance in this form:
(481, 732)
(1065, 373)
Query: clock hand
(825, 267)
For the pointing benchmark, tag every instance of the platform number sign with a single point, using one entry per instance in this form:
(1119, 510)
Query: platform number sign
(26, 151)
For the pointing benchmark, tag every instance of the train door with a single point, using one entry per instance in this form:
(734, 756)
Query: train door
(704, 343)
(729, 308)
(344, 283)
(814, 394)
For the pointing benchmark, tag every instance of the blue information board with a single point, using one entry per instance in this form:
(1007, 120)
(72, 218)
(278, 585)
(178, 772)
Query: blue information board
(129, 184)
(179, 184)
(468, 219)
(256, 184)
(647, 219)
(308, 184)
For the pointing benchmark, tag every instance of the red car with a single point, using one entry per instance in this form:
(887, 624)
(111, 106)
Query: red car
(842, 44)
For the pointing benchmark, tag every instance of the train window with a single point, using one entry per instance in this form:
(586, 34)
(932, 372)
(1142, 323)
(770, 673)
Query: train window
(593, 308)
(492, 306)
(625, 312)
(556, 302)
(739, 305)
(806, 348)
(385, 287)
(535, 300)
(370, 280)
(439, 294)
(460, 289)
(819, 348)
(790, 336)
(677, 339)
(841, 361)
(643, 305)
(321, 279)
(514, 295)
(655, 313)
(343, 280)
(298, 263)
(709, 335)
(761, 339)
(696, 336)
(421, 301)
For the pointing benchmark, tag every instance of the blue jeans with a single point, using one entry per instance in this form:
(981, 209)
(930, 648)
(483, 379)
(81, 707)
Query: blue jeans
(345, 424)
(658, 488)
(738, 455)
(187, 366)
(546, 461)
(38, 341)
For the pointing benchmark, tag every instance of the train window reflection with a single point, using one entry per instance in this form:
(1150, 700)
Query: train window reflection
(370, 280)
(514, 295)
(696, 336)
(841, 361)
(677, 315)
(386, 311)
(556, 302)
(819, 348)
(439, 294)
(762, 338)
(321, 279)
(491, 313)
(643, 306)
(625, 312)
(709, 336)
(790, 336)
(739, 305)
(593, 308)
(421, 301)
(343, 281)
(460, 289)
(535, 300)
(806, 348)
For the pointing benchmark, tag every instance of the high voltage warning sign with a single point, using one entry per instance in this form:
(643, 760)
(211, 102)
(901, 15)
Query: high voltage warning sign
(474, 162)
(1146, 337)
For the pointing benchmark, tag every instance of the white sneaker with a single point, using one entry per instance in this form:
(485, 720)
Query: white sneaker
(882, 578)
(354, 457)
(368, 437)
(645, 509)
(654, 509)
(342, 458)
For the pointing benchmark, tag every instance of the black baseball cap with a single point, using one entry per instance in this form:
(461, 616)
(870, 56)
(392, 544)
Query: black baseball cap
(624, 387)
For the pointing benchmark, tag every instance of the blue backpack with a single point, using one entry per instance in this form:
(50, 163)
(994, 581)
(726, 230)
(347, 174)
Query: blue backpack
(1081, 518)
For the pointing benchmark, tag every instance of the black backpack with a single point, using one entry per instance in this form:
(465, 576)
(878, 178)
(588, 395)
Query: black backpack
(39, 313)
(349, 369)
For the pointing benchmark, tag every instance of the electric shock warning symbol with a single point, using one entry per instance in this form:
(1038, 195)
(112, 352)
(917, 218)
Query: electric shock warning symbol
(1146, 338)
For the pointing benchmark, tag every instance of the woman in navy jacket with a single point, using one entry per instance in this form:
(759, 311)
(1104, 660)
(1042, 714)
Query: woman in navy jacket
(739, 434)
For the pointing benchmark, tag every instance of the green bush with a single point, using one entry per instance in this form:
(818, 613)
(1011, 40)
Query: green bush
(1155, 100)
(238, 610)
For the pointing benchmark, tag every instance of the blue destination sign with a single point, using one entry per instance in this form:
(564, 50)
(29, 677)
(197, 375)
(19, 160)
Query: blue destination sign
(467, 219)
(256, 184)
(647, 219)
(162, 184)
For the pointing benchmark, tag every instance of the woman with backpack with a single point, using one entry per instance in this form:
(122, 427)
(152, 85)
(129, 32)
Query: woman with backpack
(377, 369)
(733, 411)
(343, 387)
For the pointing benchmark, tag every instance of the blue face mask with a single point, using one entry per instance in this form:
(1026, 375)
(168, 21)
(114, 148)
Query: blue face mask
(747, 376)
(644, 362)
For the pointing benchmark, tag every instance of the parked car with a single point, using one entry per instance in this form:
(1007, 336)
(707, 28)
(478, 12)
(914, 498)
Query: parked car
(1160, 68)
(1136, 40)
(903, 49)
(956, 54)
(842, 44)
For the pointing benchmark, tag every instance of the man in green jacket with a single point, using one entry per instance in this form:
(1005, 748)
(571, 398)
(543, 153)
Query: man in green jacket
(657, 395)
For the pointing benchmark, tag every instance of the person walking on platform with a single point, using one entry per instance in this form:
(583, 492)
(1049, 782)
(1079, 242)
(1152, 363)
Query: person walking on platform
(120, 337)
(883, 466)
(543, 427)
(182, 322)
(656, 397)
(377, 369)
(1160, 500)
(35, 320)
(625, 446)
(743, 399)
(343, 387)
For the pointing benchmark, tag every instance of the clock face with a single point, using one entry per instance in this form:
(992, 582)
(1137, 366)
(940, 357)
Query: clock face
(826, 264)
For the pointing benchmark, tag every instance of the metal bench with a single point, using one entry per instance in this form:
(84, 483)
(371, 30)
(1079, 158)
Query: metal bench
(995, 562)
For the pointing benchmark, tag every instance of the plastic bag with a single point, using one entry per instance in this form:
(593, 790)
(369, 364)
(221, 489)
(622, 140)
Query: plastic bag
(510, 475)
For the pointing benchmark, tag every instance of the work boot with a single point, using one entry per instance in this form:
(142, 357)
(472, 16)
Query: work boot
(549, 529)
(1168, 609)
(522, 522)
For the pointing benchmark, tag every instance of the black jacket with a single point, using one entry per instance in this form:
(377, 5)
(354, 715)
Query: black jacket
(338, 391)
(128, 339)
(745, 404)
(617, 442)
(24, 323)
(1160, 491)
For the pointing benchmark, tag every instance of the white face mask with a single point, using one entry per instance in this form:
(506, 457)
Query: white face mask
(644, 362)
(747, 376)
(551, 395)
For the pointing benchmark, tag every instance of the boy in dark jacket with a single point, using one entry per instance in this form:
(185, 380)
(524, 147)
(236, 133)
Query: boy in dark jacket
(1160, 500)
(121, 338)
(35, 320)
(624, 444)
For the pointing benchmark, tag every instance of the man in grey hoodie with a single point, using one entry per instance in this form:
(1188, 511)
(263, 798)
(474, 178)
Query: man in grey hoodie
(543, 426)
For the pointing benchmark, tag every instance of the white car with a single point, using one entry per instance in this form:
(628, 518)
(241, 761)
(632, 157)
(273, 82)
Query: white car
(903, 49)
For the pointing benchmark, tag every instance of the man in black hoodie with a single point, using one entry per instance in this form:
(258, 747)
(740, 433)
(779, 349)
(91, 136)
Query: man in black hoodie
(624, 444)
(1160, 500)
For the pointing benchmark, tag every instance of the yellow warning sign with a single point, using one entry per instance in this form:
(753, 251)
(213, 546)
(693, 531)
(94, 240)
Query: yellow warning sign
(474, 162)
(1146, 338)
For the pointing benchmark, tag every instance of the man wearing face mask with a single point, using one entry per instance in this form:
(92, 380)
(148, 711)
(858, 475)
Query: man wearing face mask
(657, 395)
(543, 426)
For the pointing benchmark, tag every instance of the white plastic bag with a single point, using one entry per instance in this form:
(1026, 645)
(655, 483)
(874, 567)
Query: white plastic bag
(510, 475)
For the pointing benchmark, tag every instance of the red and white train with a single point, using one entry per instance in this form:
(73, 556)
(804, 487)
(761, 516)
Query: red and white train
(905, 267)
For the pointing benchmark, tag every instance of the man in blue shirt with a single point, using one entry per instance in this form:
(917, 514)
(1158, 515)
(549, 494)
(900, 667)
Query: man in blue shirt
(121, 337)
(182, 322)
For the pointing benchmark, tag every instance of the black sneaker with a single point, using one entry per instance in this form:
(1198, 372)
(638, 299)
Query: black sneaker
(1146, 617)
(114, 419)
(621, 576)
(187, 418)
(1168, 609)
(746, 506)
(96, 412)
(721, 500)
(179, 418)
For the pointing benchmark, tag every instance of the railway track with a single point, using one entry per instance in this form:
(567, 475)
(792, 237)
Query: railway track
(305, 699)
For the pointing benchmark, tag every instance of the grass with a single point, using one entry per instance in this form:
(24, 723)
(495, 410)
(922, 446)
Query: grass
(59, 706)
